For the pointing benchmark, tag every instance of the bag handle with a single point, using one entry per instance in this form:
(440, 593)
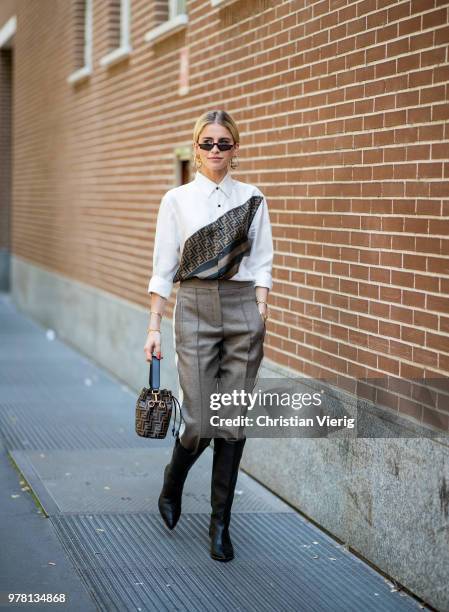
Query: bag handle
(154, 379)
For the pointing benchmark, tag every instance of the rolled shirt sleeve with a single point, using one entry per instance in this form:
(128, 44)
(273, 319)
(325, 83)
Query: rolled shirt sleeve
(261, 256)
(166, 254)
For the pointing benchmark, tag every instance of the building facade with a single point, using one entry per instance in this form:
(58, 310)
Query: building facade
(343, 112)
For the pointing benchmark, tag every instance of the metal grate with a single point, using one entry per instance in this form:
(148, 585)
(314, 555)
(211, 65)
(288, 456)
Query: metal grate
(37, 431)
(133, 562)
(130, 480)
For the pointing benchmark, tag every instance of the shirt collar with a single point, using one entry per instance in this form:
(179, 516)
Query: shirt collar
(208, 186)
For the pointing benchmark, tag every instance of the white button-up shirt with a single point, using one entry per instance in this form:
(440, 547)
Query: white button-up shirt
(210, 231)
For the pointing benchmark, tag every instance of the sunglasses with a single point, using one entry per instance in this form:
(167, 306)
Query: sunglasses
(208, 146)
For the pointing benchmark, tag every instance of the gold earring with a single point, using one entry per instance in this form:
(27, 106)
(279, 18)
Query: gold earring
(233, 163)
(198, 159)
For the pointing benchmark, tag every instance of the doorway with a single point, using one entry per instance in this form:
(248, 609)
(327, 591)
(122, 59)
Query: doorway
(7, 33)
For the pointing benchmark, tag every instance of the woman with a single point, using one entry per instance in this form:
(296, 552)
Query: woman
(213, 235)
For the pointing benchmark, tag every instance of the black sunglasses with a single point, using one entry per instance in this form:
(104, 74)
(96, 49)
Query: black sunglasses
(222, 146)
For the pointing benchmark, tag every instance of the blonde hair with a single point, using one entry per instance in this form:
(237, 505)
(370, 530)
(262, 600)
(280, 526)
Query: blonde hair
(215, 116)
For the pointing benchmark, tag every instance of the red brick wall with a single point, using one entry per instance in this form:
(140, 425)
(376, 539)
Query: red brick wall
(343, 111)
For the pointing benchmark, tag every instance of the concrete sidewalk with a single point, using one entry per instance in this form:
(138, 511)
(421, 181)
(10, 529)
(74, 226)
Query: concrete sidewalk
(88, 525)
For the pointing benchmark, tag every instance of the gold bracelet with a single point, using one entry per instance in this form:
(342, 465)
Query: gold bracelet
(156, 313)
(150, 329)
(261, 302)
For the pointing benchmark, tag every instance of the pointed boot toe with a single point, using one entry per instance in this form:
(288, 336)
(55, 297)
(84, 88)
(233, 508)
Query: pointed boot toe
(169, 512)
(175, 474)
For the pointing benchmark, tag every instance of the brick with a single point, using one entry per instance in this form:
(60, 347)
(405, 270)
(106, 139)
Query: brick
(417, 152)
(416, 226)
(407, 134)
(412, 335)
(421, 41)
(409, 62)
(433, 94)
(425, 357)
(435, 18)
(436, 419)
(433, 57)
(440, 74)
(405, 171)
(397, 118)
(410, 408)
(421, 78)
(395, 154)
(418, 6)
(384, 172)
(399, 11)
(439, 265)
(383, 33)
(441, 35)
(376, 53)
(431, 132)
(440, 112)
(365, 39)
(430, 170)
(408, 26)
(398, 47)
(385, 69)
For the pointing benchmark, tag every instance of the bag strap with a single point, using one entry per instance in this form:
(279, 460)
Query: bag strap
(181, 418)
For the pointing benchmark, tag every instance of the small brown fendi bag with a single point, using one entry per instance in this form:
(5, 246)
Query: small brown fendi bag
(154, 407)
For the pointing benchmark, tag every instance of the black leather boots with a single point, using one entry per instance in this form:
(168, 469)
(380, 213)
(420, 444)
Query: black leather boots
(175, 474)
(227, 455)
(225, 467)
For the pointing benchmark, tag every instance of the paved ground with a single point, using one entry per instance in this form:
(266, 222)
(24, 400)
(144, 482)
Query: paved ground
(79, 507)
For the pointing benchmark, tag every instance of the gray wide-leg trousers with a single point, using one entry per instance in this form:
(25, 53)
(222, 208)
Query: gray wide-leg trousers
(218, 334)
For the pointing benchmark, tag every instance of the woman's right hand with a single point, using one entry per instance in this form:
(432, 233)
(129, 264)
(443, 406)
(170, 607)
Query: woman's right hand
(153, 345)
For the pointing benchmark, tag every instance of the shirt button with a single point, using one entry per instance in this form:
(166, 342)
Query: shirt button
(219, 205)
(216, 187)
